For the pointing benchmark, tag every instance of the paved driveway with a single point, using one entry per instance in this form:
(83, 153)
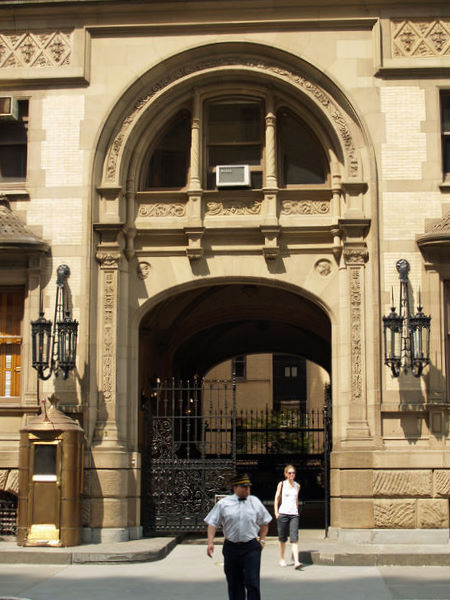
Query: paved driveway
(187, 574)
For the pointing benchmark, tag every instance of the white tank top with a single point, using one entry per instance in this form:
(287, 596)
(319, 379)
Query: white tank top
(289, 495)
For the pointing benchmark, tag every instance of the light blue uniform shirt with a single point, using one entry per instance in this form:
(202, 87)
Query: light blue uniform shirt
(240, 520)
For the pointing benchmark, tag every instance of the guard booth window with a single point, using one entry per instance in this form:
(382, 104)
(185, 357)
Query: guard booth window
(11, 314)
(44, 462)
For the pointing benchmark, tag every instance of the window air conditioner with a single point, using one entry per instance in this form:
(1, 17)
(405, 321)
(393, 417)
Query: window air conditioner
(9, 108)
(232, 175)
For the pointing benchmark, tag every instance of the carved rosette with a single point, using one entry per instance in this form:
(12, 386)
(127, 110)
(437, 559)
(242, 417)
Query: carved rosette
(30, 49)
(315, 92)
(162, 209)
(304, 207)
(420, 37)
(233, 207)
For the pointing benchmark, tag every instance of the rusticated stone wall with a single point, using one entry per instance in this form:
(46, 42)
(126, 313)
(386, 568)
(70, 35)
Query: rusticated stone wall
(9, 480)
(410, 499)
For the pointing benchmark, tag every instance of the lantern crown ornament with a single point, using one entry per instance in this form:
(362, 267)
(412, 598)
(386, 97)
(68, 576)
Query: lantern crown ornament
(54, 347)
(406, 336)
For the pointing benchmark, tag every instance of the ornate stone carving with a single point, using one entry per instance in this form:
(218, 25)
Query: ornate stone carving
(109, 292)
(29, 49)
(355, 255)
(323, 267)
(422, 38)
(394, 514)
(295, 78)
(442, 483)
(402, 483)
(233, 207)
(443, 225)
(305, 207)
(432, 514)
(143, 269)
(108, 259)
(162, 209)
(355, 312)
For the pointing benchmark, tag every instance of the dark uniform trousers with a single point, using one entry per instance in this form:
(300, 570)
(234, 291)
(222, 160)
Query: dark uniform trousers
(242, 563)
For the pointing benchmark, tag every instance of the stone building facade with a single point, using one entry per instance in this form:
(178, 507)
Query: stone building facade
(340, 114)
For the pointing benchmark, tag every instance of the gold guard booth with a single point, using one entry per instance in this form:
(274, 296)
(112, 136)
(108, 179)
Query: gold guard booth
(50, 480)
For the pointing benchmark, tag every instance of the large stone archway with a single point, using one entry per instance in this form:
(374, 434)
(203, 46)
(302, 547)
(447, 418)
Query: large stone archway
(263, 269)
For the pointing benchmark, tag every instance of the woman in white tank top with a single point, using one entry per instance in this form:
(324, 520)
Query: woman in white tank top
(287, 515)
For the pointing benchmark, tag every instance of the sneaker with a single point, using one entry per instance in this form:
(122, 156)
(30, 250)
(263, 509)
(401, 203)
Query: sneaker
(283, 563)
(298, 565)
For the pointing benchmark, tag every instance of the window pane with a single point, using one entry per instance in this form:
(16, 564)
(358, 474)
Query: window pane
(44, 459)
(301, 153)
(445, 103)
(13, 162)
(234, 122)
(170, 160)
(447, 154)
(234, 155)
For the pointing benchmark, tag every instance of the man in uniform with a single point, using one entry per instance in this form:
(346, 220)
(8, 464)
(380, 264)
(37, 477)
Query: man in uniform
(245, 522)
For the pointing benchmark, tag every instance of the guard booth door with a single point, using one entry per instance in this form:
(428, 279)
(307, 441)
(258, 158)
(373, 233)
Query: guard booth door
(44, 490)
(189, 454)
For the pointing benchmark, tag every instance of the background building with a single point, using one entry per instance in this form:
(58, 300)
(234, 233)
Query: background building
(228, 180)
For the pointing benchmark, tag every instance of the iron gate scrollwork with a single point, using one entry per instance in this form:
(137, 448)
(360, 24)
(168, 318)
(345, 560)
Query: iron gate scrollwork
(190, 429)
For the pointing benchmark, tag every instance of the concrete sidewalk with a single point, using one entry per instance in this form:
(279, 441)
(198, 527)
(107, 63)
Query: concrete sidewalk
(187, 573)
(314, 549)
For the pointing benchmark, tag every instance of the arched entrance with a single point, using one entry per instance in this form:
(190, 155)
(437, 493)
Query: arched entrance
(194, 433)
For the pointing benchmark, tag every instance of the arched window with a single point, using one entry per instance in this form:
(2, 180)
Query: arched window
(301, 156)
(169, 163)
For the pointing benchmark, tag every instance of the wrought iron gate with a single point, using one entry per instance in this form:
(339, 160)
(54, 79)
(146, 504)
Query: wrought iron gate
(196, 439)
(191, 431)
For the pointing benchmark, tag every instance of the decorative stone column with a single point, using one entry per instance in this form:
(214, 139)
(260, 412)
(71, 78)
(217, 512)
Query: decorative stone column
(270, 228)
(355, 256)
(112, 472)
(194, 231)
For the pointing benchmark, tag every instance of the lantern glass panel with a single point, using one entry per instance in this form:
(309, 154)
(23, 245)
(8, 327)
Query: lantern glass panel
(41, 337)
(392, 337)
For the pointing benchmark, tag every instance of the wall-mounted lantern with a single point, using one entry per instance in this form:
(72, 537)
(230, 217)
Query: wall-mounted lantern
(55, 350)
(406, 336)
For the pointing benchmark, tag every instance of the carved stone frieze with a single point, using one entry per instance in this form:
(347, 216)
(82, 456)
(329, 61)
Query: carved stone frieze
(314, 91)
(31, 49)
(432, 514)
(395, 514)
(233, 207)
(420, 37)
(402, 483)
(355, 255)
(162, 209)
(305, 207)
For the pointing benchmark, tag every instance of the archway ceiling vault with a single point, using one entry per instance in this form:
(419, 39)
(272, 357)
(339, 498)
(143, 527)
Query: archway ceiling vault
(202, 327)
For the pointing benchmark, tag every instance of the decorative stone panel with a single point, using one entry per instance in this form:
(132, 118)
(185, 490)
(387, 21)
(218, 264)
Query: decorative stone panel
(305, 207)
(442, 483)
(421, 37)
(432, 514)
(27, 49)
(233, 207)
(395, 514)
(402, 483)
(162, 209)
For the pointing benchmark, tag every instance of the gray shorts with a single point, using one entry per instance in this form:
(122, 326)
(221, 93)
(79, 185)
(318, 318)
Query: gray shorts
(287, 524)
